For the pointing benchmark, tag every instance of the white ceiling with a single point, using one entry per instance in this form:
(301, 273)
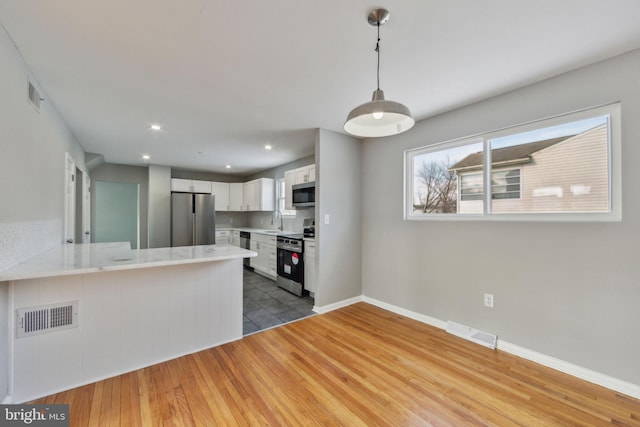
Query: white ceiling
(224, 78)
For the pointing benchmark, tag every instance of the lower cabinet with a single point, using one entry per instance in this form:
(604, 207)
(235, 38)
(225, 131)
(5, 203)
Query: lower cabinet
(235, 238)
(310, 266)
(265, 262)
(223, 237)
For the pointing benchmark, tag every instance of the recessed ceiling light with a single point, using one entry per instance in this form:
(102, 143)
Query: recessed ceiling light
(146, 157)
(155, 127)
(267, 147)
(227, 166)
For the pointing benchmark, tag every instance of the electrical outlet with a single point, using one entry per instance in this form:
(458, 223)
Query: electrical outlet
(488, 300)
(326, 219)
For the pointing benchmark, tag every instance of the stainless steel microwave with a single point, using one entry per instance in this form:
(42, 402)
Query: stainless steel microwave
(304, 195)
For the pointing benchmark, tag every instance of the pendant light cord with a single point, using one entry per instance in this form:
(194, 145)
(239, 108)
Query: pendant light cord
(378, 52)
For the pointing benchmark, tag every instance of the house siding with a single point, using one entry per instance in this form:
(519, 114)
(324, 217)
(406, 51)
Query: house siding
(571, 176)
(574, 165)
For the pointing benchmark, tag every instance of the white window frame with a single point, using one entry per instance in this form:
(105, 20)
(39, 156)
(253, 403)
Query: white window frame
(614, 170)
(280, 195)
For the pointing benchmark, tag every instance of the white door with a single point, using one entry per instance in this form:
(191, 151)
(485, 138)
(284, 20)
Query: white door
(69, 199)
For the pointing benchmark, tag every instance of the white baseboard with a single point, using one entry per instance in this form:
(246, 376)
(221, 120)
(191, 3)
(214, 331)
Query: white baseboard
(594, 377)
(603, 380)
(327, 308)
(407, 313)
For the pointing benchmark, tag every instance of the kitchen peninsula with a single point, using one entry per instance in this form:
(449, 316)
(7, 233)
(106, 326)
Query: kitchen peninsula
(131, 309)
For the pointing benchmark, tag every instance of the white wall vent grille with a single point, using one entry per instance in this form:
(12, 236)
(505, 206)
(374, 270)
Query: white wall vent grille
(34, 97)
(479, 337)
(46, 318)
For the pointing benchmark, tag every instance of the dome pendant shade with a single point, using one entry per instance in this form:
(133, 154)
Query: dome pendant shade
(378, 118)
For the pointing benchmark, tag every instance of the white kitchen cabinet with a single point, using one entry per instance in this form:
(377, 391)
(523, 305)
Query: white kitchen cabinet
(272, 260)
(234, 240)
(305, 174)
(183, 185)
(289, 180)
(190, 186)
(258, 195)
(310, 265)
(201, 186)
(250, 196)
(265, 262)
(223, 237)
(254, 246)
(236, 196)
(221, 191)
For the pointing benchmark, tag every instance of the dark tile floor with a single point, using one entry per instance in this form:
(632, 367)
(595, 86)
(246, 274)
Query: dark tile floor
(266, 305)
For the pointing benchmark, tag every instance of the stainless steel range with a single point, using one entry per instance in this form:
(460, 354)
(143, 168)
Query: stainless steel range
(291, 263)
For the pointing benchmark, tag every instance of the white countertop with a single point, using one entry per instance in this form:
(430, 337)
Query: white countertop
(266, 231)
(96, 257)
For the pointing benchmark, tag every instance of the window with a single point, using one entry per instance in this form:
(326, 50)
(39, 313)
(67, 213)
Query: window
(564, 168)
(471, 187)
(504, 185)
(280, 199)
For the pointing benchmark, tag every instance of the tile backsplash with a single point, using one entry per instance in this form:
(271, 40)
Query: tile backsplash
(20, 241)
(271, 221)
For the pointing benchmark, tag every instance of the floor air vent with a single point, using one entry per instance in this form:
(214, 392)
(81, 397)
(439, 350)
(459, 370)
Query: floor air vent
(46, 318)
(474, 335)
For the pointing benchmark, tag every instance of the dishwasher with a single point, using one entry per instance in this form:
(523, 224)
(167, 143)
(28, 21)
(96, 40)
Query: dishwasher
(245, 243)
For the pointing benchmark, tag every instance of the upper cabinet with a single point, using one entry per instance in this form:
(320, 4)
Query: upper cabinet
(190, 186)
(236, 196)
(221, 191)
(258, 195)
(305, 174)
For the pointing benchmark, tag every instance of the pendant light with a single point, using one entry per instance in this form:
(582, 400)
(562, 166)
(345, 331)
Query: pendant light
(378, 117)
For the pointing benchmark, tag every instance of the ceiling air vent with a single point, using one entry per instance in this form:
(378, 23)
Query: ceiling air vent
(46, 318)
(34, 97)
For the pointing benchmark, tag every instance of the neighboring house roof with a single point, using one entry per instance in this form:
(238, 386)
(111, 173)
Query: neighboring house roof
(507, 155)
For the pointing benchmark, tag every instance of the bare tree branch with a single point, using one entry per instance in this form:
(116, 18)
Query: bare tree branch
(438, 194)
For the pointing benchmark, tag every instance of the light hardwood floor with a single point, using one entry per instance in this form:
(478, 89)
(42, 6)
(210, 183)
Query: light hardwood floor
(357, 366)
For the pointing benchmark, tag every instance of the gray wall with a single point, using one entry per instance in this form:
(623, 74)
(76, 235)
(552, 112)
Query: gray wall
(4, 340)
(123, 173)
(159, 221)
(568, 290)
(32, 146)
(338, 194)
(32, 158)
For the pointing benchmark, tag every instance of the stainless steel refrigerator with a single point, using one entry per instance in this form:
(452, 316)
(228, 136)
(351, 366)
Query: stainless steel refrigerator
(193, 219)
